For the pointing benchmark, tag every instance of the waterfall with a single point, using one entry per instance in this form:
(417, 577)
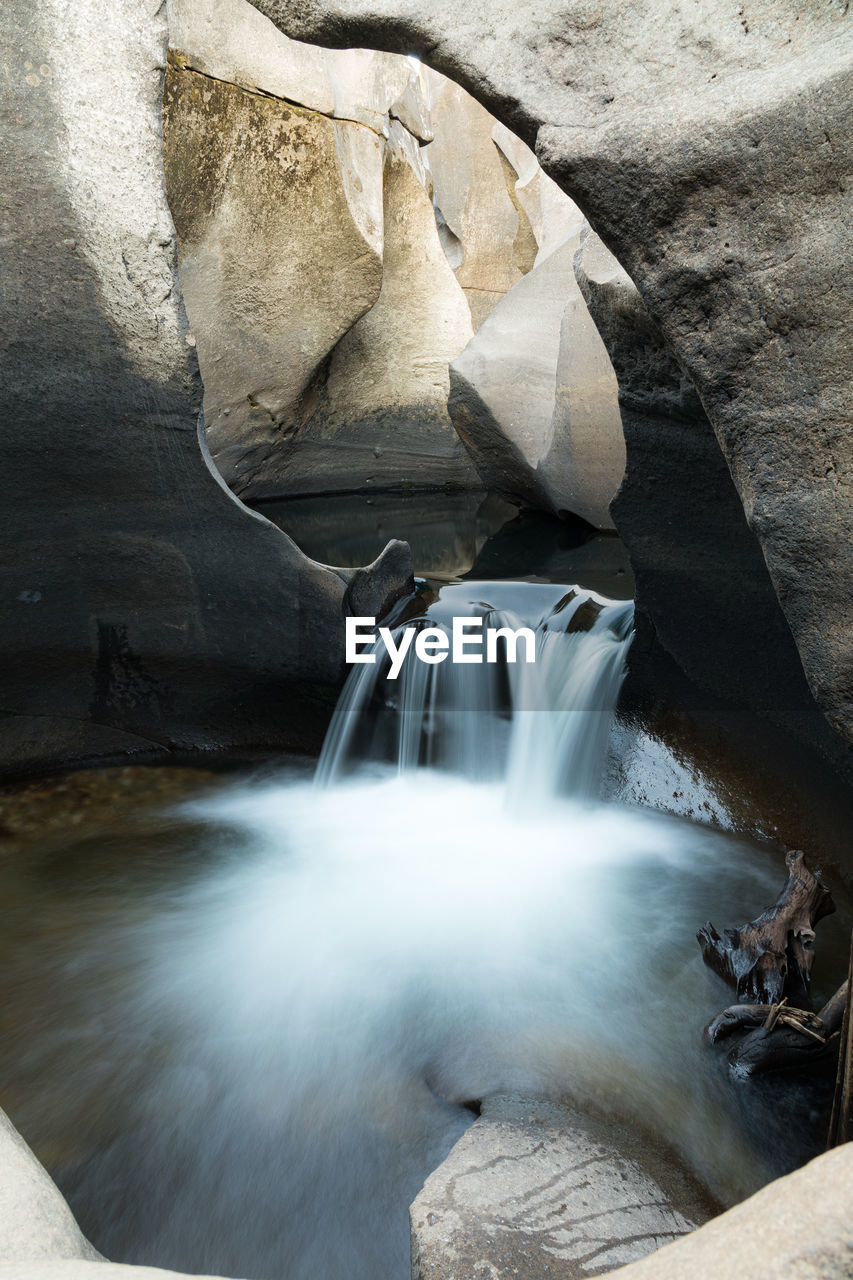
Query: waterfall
(540, 727)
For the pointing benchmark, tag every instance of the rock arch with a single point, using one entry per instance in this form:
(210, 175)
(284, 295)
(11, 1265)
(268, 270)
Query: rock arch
(708, 146)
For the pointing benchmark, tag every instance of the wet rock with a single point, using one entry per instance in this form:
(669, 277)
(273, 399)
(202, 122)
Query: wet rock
(709, 152)
(373, 590)
(532, 1189)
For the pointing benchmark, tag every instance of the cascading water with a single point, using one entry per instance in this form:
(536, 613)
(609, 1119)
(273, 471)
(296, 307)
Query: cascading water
(246, 1050)
(541, 726)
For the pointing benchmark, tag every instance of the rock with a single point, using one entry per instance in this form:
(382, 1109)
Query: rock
(702, 586)
(552, 215)
(372, 591)
(534, 397)
(271, 203)
(797, 1227)
(709, 151)
(381, 419)
(35, 1222)
(761, 1239)
(144, 610)
(474, 194)
(229, 40)
(532, 1189)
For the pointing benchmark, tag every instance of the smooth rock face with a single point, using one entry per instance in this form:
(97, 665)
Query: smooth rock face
(474, 194)
(381, 419)
(323, 341)
(709, 151)
(349, 388)
(797, 1228)
(264, 217)
(534, 396)
(760, 1239)
(144, 610)
(35, 1221)
(532, 1189)
(702, 586)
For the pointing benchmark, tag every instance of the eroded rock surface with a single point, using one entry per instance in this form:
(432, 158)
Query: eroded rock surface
(710, 152)
(144, 610)
(337, 256)
(381, 419)
(263, 218)
(702, 586)
(534, 1190)
(534, 396)
(474, 194)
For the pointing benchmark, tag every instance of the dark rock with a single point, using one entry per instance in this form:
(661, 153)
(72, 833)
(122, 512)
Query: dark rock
(702, 586)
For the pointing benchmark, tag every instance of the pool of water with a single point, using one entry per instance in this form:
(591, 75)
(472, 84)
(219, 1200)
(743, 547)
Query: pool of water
(243, 1015)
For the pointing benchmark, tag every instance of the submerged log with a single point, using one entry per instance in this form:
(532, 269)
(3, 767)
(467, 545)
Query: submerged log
(770, 958)
(841, 1120)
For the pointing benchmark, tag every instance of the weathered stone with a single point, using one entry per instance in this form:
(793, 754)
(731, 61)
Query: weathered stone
(230, 40)
(797, 1228)
(702, 586)
(381, 417)
(472, 182)
(533, 1189)
(710, 152)
(271, 203)
(144, 610)
(35, 1222)
(534, 397)
(552, 215)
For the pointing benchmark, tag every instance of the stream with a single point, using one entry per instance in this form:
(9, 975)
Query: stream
(242, 1028)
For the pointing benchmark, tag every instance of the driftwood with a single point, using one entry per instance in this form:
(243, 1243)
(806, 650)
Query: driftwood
(841, 1121)
(770, 959)
(779, 1037)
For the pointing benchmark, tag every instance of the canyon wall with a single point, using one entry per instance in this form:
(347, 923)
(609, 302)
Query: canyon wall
(144, 609)
(711, 153)
(346, 221)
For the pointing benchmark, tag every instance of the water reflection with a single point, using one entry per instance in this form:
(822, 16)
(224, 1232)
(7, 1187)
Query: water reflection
(457, 535)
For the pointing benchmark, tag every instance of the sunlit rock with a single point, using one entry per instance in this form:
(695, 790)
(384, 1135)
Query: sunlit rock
(474, 194)
(534, 396)
(381, 419)
(534, 1190)
(36, 1224)
(271, 202)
